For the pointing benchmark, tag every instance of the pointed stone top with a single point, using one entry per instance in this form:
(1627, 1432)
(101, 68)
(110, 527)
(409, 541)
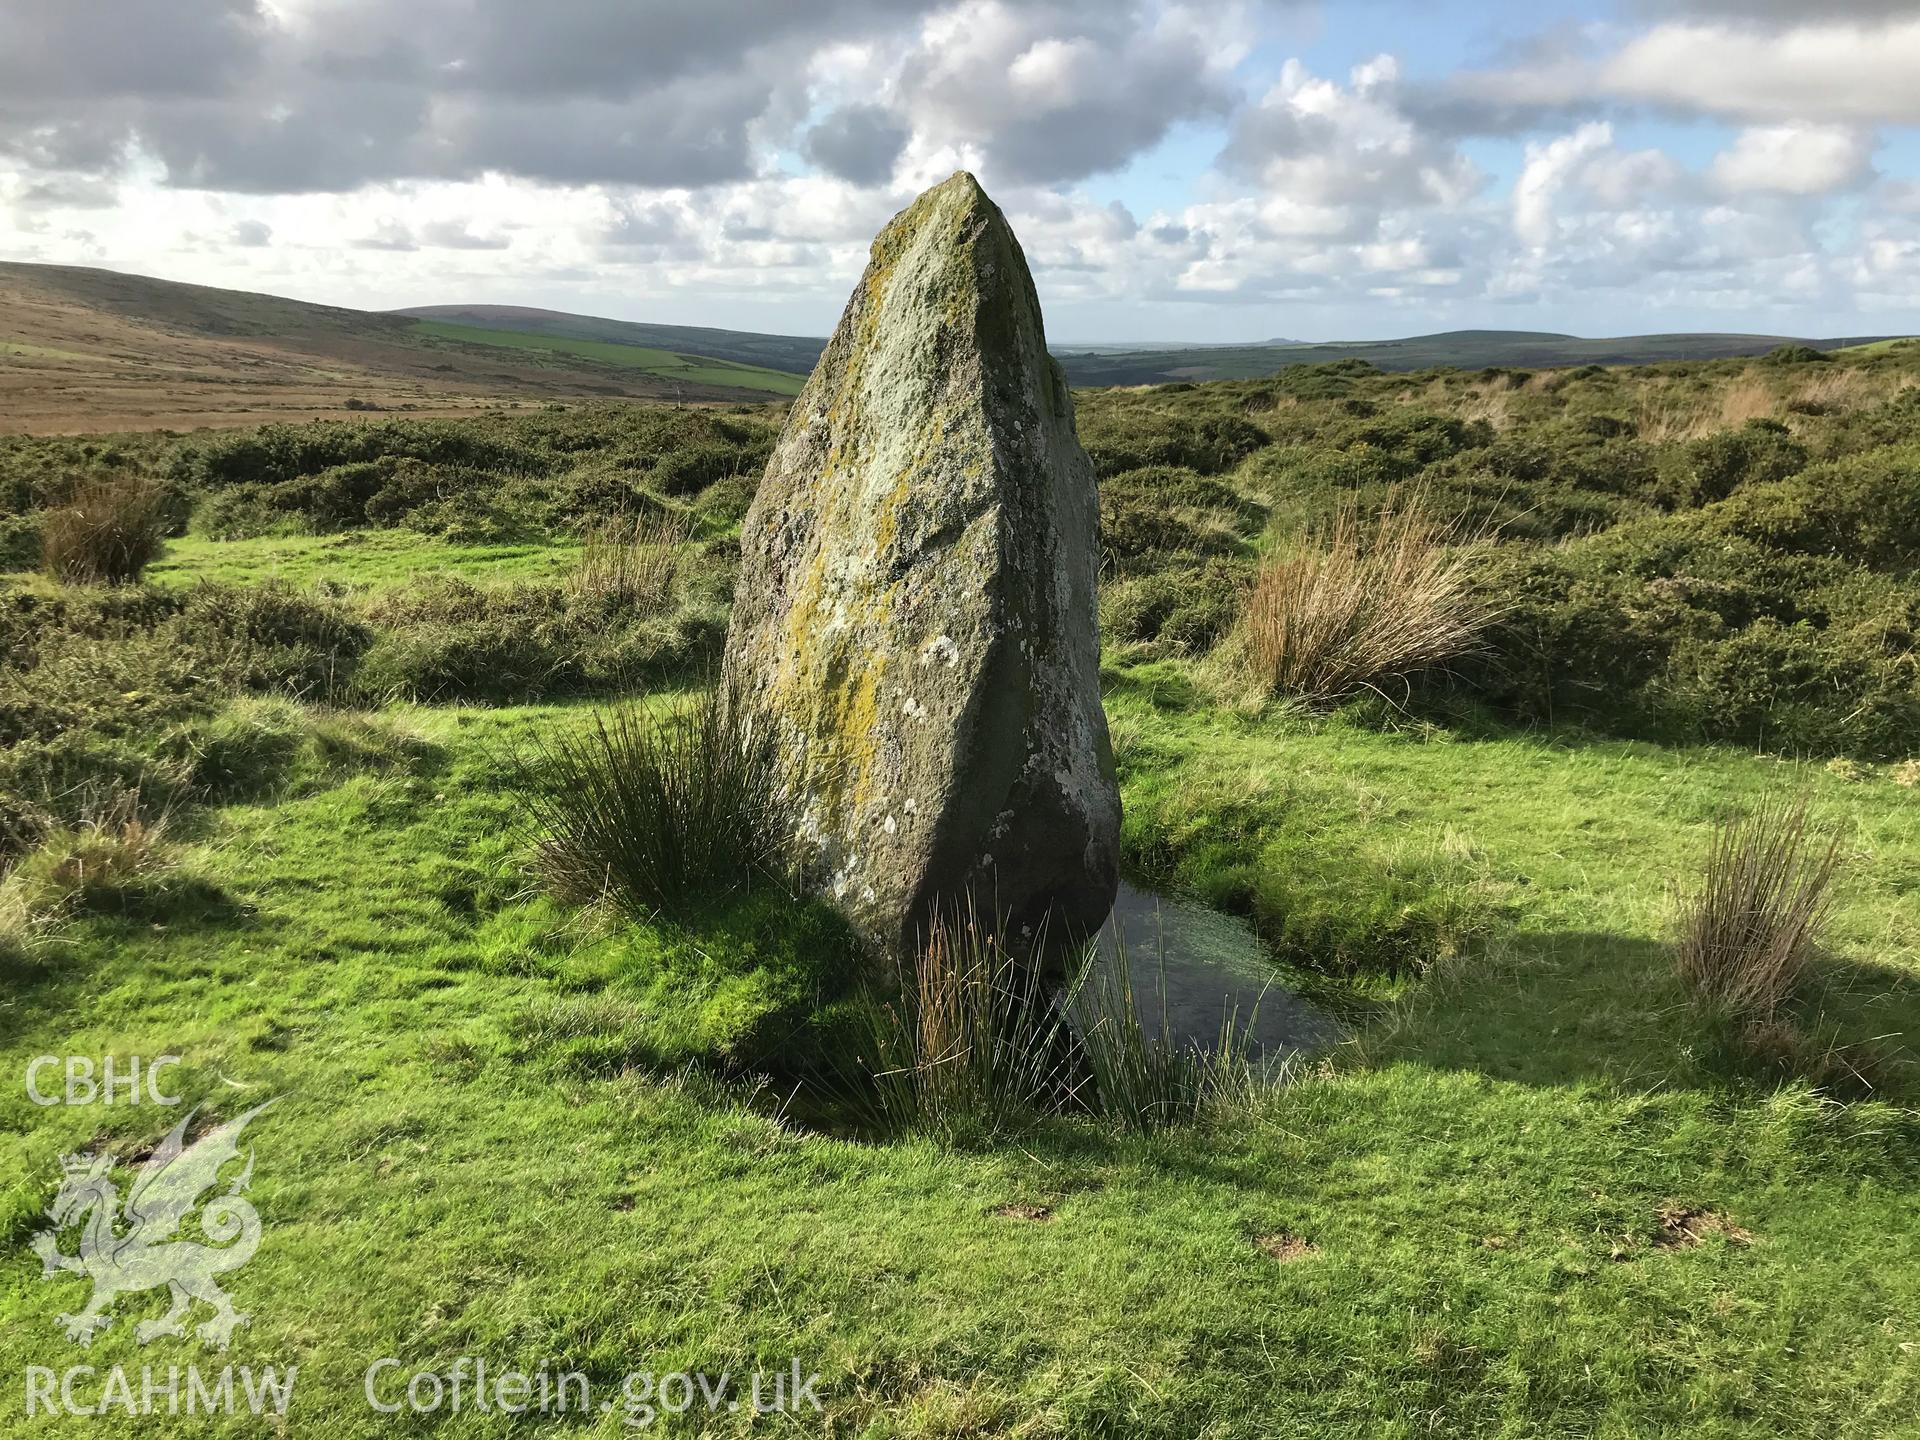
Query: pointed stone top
(964, 180)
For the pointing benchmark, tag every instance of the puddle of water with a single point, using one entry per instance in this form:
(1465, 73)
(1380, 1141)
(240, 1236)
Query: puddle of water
(1195, 970)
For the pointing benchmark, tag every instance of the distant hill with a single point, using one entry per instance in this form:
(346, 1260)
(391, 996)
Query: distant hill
(793, 354)
(677, 367)
(88, 350)
(1126, 361)
(1462, 349)
(1145, 363)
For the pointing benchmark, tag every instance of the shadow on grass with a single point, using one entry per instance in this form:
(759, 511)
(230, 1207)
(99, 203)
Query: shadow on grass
(1588, 1008)
(35, 980)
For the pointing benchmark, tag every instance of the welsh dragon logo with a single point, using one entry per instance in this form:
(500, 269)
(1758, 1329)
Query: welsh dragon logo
(142, 1250)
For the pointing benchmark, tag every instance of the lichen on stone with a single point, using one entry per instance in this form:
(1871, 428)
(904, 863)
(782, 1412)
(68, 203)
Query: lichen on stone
(929, 501)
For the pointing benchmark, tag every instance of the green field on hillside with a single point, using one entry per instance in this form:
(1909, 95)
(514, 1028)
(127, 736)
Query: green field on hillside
(694, 369)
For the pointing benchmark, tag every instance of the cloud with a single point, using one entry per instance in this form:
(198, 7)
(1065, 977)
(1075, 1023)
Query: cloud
(1771, 12)
(1044, 92)
(456, 235)
(736, 157)
(1333, 160)
(858, 143)
(307, 97)
(1846, 64)
(1795, 159)
(1593, 218)
(66, 192)
(317, 96)
(635, 222)
(387, 235)
(97, 50)
(1822, 71)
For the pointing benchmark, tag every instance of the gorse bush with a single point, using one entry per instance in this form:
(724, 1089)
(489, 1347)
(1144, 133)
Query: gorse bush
(649, 811)
(450, 639)
(1675, 628)
(1367, 601)
(1703, 551)
(107, 533)
(1182, 609)
(1749, 934)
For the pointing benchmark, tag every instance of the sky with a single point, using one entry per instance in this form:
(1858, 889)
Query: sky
(1217, 171)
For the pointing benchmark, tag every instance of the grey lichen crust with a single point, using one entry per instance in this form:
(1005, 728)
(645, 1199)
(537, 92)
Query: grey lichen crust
(916, 611)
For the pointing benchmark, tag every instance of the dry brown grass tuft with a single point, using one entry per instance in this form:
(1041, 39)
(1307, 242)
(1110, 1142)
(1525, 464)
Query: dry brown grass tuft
(1491, 402)
(107, 532)
(631, 558)
(1748, 936)
(116, 850)
(1670, 412)
(1365, 601)
(1838, 388)
(1748, 398)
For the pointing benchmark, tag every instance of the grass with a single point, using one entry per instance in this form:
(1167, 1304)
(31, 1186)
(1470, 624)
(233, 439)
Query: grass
(972, 1046)
(99, 863)
(1876, 347)
(1142, 1077)
(1528, 1194)
(1368, 601)
(694, 369)
(631, 558)
(653, 811)
(1481, 1182)
(1749, 934)
(107, 532)
(374, 559)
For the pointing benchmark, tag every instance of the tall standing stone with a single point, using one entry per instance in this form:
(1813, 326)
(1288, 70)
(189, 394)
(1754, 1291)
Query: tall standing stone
(916, 612)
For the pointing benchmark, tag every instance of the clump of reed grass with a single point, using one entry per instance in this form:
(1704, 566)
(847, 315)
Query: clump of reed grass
(657, 808)
(983, 1038)
(1364, 601)
(1748, 935)
(1141, 1077)
(115, 851)
(106, 533)
(630, 558)
(973, 1044)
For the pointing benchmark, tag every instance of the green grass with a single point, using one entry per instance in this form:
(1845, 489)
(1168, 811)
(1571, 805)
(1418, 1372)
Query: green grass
(1876, 347)
(506, 1133)
(375, 559)
(1480, 1174)
(694, 369)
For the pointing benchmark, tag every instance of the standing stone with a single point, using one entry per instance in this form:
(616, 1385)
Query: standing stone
(916, 613)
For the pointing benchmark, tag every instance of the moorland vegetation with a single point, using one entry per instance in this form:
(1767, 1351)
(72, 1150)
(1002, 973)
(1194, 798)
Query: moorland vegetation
(1556, 730)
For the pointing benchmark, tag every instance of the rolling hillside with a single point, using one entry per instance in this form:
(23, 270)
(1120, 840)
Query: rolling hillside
(1139, 363)
(1462, 349)
(92, 350)
(791, 353)
(673, 367)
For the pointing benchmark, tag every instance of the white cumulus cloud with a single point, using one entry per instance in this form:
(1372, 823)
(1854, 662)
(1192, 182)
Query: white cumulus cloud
(1795, 159)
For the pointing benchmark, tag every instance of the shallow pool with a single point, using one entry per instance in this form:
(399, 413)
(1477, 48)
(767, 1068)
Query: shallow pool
(1194, 971)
